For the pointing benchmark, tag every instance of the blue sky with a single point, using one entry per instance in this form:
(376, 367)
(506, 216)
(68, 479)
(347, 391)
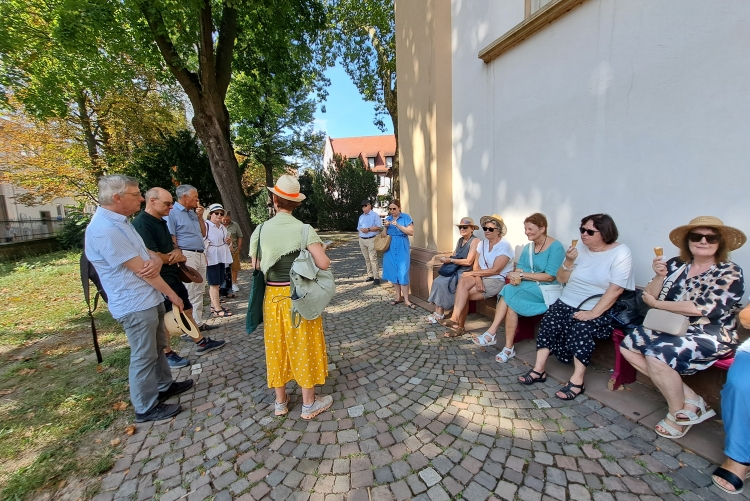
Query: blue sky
(347, 114)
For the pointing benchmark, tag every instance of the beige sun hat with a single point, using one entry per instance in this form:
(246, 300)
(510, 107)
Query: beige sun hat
(177, 324)
(733, 237)
(467, 221)
(287, 187)
(497, 219)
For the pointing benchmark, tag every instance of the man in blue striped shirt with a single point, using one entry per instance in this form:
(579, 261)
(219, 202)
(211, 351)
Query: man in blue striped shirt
(130, 275)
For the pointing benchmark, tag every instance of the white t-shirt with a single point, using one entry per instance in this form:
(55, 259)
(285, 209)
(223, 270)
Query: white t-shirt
(487, 257)
(595, 271)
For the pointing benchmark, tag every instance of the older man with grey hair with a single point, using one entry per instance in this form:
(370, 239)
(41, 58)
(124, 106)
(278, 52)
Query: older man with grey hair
(130, 275)
(186, 224)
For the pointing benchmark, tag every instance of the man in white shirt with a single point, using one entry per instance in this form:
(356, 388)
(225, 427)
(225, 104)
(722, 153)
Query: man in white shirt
(368, 226)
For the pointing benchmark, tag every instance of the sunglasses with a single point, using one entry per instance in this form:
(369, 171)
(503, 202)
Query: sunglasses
(392, 208)
(587, 231)
(462, 227)
(168, 204)
(486, 228)
(697, 237)
(219, 213)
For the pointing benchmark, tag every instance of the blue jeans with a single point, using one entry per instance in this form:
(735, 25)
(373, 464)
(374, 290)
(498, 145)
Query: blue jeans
(735, 409)
(149, 371)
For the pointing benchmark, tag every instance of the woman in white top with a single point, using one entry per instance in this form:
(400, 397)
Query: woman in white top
(596, 272)
(494, 260)
(218, 256)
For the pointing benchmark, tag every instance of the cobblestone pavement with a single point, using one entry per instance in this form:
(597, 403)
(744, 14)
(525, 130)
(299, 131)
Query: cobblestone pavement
(415, 416)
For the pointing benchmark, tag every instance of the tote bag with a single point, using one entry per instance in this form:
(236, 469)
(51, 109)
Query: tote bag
(257, 293)
(550, 292)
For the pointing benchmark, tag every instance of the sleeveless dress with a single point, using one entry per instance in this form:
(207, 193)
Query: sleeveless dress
(440, 294)
(396, 259)
(526, 298)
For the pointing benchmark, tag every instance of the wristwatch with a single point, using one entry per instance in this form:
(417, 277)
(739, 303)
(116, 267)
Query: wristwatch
(520, 275)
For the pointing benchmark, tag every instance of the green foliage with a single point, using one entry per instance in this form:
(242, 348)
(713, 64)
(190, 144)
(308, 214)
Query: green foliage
(307, 212)
(176, 159)
(338, 190)
(259, 207)
(71, 235)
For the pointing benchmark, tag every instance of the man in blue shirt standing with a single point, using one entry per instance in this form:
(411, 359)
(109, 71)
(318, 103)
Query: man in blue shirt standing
(130, 276)
(368, 226)
(186, 224)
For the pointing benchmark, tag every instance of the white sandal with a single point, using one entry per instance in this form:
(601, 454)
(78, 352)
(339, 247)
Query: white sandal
(704, 412)
(505, 355)
(485, 339)
(434, 317)
(671, 432)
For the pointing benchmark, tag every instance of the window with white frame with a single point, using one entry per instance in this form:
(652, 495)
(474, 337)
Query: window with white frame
(389, 162)
(371, 162)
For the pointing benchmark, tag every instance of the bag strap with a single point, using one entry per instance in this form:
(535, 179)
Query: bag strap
(672, 278)
(85, 269)
(303, 242)
(257, 247)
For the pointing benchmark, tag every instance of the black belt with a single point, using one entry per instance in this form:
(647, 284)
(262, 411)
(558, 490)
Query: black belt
(196, 250)
(367, 238)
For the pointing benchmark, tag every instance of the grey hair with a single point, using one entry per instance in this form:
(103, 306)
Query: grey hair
(183, 190)
(152, 193)
(112, 185)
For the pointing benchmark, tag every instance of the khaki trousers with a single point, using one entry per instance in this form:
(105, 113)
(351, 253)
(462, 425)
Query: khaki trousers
(196, 260)
(367, 246)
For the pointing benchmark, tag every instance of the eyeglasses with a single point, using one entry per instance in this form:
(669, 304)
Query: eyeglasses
(168, 204)
(461, 227)
(588, 231)
(486, 228)
(136, 194)
(697, 237)
(392, 208)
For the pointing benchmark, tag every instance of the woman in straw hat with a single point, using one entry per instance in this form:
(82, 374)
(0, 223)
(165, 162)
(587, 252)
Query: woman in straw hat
(443, 290)
(494, 260)
(705, 286)
(291, 353)
(218, 256)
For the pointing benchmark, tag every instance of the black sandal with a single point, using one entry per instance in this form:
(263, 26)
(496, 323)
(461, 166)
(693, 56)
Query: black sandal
(567, 390)
(730, 478)
(527, 379)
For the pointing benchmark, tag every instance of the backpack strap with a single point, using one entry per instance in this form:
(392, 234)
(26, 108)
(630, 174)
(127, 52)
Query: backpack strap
(296, 317)
(303, 242)
(88, 272)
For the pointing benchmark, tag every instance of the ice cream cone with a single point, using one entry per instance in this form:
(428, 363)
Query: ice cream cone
(575, 242)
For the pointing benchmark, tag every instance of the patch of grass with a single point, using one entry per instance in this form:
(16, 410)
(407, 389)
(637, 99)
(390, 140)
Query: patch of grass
(57, 407)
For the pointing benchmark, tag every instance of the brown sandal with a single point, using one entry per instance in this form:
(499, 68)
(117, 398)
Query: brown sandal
(455, 332)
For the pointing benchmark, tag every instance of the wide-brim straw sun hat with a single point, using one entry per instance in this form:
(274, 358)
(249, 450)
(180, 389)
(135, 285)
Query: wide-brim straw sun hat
(467, 221)
(733, 238)
(498, 220)
(287, 187)
(177, 324)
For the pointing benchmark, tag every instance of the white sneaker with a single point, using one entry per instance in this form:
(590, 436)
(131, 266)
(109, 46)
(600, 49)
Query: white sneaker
(235, 288)
(281, 409)
(321, 404)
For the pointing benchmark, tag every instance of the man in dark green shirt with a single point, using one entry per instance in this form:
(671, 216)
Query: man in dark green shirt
(152, 228)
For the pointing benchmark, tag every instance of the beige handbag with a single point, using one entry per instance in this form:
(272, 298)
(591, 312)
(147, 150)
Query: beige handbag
(666, 321)
(382, 242)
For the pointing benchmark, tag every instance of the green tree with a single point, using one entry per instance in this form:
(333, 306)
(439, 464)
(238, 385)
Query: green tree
(308, 211)
(338, 190)
(362, 38)
(176, 159)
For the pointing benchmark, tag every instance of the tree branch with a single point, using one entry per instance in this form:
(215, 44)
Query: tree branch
(187, 79)
(225, 49)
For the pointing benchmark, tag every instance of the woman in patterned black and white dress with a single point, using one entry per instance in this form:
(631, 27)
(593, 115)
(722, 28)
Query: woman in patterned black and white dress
(704, 285)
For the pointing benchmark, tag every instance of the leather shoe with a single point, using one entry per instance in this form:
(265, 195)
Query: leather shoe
(206, 327)
(175, 389)
(161, 411)
(376, 281)
(369, 279)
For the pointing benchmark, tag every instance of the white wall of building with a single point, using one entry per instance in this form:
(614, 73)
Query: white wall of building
(18, 211)
(639, 109)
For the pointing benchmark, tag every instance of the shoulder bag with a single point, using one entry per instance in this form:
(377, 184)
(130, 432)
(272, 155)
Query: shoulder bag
(257, 293)
(664, 321)
(311, 288)
(550, 292)
(382, 241)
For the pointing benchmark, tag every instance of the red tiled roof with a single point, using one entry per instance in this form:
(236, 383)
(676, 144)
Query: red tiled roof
(367, 146)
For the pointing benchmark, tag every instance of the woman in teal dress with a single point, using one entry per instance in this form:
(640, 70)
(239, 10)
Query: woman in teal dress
(396, 259)
(523, 296)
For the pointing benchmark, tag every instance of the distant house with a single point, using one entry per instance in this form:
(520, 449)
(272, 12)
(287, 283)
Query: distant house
(376, 153)
(24, 222)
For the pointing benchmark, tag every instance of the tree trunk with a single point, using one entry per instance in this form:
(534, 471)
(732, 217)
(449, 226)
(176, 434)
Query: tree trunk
(213, 132)
(88, 134)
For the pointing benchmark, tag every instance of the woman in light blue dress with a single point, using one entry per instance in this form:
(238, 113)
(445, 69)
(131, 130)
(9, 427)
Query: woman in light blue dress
(522, 296)
(396, 259)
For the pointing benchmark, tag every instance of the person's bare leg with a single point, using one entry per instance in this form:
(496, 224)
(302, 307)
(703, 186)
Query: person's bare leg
(541, 362)
(234, 276)
(439, 310)
(308, 396)
(281, 394)
(500, 312)
(637, 360)
(405, 293)
(577, 378)
(213, 293)
(511, 325)
(670, 384)
(462, 296)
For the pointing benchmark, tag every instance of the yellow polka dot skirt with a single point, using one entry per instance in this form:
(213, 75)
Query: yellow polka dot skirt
(298, 354)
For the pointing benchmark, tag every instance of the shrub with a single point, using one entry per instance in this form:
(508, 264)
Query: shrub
(74, 228)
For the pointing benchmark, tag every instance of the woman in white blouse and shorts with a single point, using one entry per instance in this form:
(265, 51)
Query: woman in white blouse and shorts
(494, 261)
(596, 272)
(218, 256)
